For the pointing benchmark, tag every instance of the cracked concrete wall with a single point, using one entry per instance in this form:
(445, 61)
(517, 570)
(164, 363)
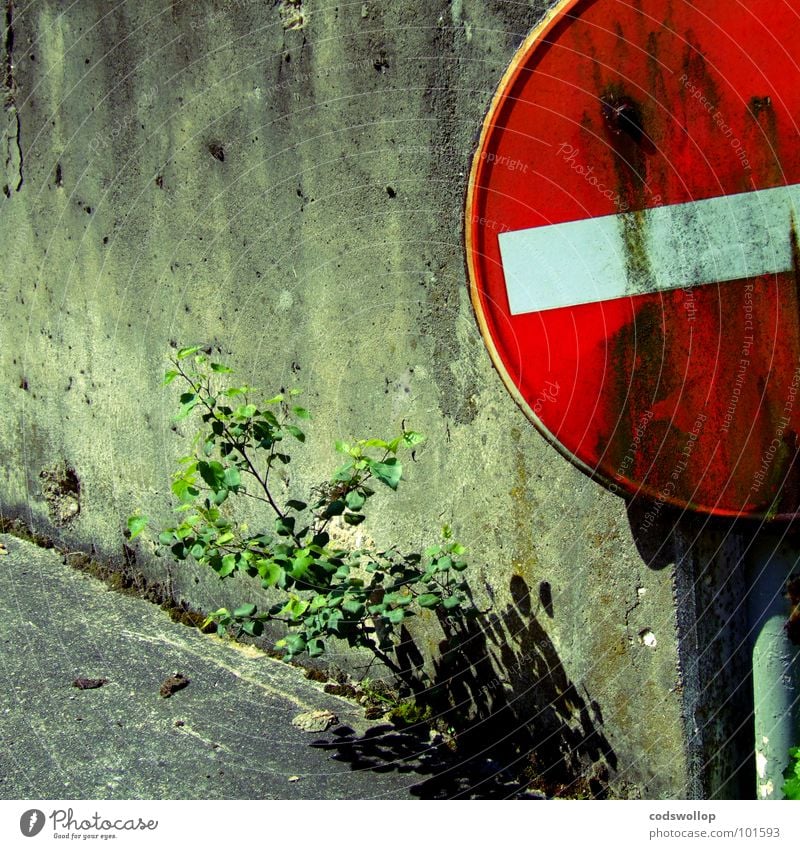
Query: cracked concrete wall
(287, 180)
(12, 151)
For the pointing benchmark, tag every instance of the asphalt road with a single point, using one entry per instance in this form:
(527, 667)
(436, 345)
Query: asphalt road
(227, 735)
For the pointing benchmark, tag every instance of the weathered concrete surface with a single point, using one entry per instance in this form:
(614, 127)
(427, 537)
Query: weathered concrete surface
(287, 180)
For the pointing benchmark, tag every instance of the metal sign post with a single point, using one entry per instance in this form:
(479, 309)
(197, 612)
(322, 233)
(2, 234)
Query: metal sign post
(633, 255)
(776, 661)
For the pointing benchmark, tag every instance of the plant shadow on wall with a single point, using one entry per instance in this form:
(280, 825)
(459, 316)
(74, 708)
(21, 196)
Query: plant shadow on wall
(507, 721)
(504, 714)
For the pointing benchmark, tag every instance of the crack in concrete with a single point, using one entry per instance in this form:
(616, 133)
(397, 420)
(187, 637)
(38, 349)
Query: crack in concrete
(185, 729)
(9, 45)
(14, 159)
(278, 692)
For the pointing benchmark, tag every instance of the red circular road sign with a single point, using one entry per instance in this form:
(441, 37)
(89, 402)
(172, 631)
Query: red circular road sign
(632, 248)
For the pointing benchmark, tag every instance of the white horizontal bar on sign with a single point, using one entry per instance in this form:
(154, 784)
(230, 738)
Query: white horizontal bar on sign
(653, 250)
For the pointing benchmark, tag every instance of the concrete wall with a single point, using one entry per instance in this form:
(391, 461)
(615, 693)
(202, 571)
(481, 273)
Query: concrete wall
(287, 180)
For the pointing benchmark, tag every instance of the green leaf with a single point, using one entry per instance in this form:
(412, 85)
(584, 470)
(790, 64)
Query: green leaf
(335, 508)
(169, 376)
(183, 353)
(791, 788)
(212, 473)
(428, 600)
(317, 603)
(451, 603)
(184, 530)
(136, 524)
(315, 647)
(294, 608)
(412, 438)
(321, 539)
(396, 616)
(232, 478)
(228, 565)
(301, 412)
(389, 472)
(244, 611)
(179, 551)
(334, 620)
(295, 432)
(341, 447)
(354, 518)
(269, 572)
(355, 500)
(295, 643)
(253, 627)
(221, 369)
(355, 609)
(284, 526)
(300, 566)
(276, 399)
(296, 505)
(246, 411)
(186, 409)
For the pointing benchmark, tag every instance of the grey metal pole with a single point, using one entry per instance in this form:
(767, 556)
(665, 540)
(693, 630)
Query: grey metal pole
(740, 673)
(714, 656)
(776, 683)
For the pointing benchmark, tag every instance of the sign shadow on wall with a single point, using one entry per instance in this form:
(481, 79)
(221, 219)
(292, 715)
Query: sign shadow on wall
(708, 555)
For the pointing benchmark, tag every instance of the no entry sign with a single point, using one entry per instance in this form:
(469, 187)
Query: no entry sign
(632, 245)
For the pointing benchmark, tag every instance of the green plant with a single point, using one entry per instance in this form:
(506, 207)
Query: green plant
(325, 590)
(388, 703)
(791, 787)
